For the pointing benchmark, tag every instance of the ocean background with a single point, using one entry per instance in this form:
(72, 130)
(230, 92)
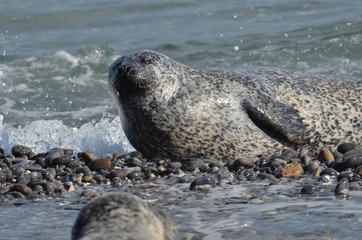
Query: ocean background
(54, 59)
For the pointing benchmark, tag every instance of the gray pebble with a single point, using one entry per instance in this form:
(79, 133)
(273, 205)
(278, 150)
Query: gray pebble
(342, 187)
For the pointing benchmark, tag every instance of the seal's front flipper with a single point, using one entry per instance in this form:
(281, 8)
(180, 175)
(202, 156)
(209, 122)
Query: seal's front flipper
(280, 121)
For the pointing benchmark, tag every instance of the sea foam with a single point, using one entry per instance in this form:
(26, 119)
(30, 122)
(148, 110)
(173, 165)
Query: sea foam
(102, 138)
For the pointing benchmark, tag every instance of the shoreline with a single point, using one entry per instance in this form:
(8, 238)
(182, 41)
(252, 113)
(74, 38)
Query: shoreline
(27, 175)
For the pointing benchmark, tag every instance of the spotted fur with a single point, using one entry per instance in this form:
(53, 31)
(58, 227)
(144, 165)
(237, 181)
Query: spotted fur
(170, 110)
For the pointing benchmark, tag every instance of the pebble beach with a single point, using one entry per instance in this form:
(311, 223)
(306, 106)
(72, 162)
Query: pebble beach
(60, 175)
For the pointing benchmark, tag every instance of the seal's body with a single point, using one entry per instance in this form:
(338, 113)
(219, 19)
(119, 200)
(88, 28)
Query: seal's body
(121, 216)
(172, 111)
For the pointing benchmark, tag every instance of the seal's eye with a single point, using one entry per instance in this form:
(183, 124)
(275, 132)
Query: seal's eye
(145, 59)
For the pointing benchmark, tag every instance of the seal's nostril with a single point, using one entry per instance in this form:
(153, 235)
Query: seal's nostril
(125, 69)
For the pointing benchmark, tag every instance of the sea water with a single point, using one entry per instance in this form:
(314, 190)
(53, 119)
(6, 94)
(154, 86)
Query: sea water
(54, 59)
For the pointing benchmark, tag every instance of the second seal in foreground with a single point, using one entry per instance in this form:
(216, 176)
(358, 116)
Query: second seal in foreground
(170, 110)
(121, 216)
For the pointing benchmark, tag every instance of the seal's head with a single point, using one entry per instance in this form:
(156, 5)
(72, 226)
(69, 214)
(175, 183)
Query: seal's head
(142, 73)
(121, 216)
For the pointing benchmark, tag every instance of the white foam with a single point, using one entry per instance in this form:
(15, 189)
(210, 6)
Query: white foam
(63, 55)
(103, 137)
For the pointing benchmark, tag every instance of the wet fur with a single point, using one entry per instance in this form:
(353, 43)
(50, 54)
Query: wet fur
(183, 113)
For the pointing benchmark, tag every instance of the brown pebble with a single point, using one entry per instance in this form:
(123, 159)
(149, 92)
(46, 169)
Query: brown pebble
(116, 155)
(100, 163)
(92, 181)
(243, 162)
(68, 151)
(87, 178)
(86, 193)
(71, 188)
(49, 187)
(99, 178)
(161, 168)
(327, 155)
(87, 157)
(292, 170)
(22, 189)
(317, 171)
(359, 170)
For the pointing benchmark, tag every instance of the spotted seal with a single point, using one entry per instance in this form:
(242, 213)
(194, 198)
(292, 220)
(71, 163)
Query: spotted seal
(170, 110)
(121, 216)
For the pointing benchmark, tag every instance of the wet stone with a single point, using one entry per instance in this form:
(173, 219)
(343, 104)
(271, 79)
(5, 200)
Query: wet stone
(4, 189)
(117, 173)
(350, 176)
(59, 187)
(19, 168)
(63, 160)
(308, 189)
(68, 152)
(351, 162)
(193, 165)
(311, 166)
(241, 162)
(326, 155)
(342, 187)
(345, 147)
(99, 178)
(329, 171)
(19, 151)
(305, 160)
(202, 181)
(136, 154)
(273, 180)
(7, 162)
(48, 174)
(337, 154)
(87, 157)
(174, 165)
(325, 179)
(51, 155)
(15, 194)
(133, 162)
(49, 187)
(355, 186)
(303, 152)
(354, 152)
(150, 169)
(86, 193)
(317, 171)
(136, 175)
(85, 170)
(100, 163)
(292, 170)
(23, 179)
(2, 177)
(34, 167)
(8, 173)
(289, 154)
(74, 162)
(359, 171)
(35, 183)
(40, 161)
(22, 189)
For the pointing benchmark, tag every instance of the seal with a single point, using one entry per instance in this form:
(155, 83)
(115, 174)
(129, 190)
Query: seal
(121, 216)
(170, 110)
